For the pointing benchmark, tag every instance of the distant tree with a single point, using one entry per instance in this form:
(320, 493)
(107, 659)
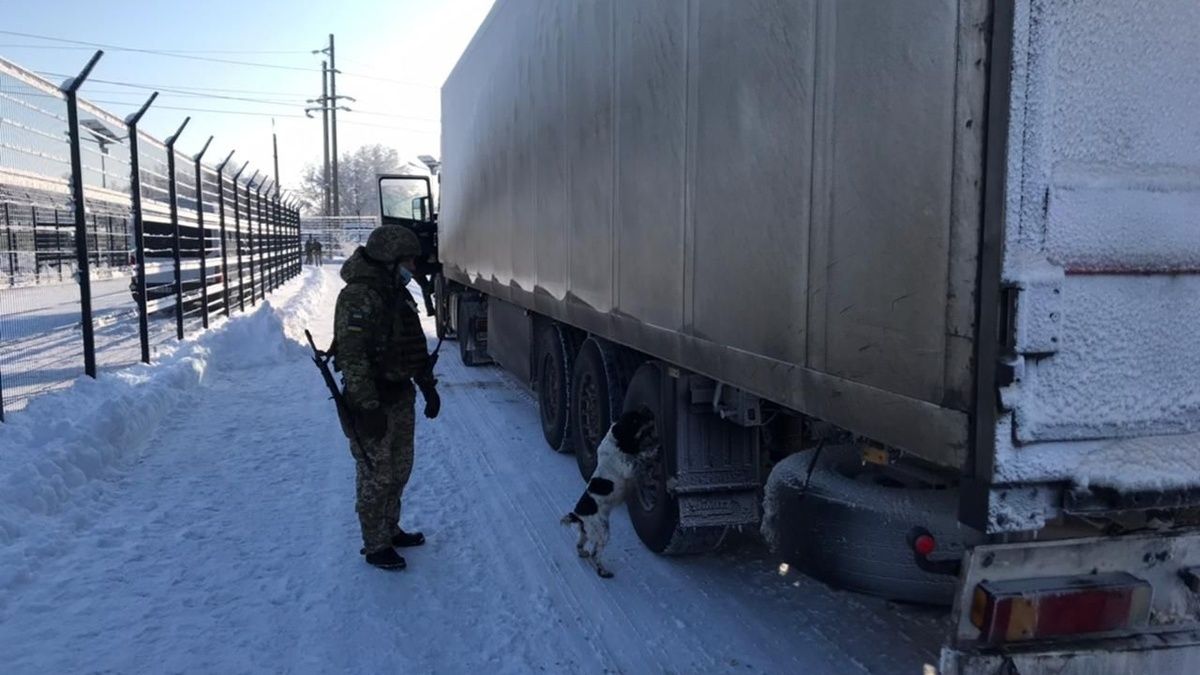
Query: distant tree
(357, 169)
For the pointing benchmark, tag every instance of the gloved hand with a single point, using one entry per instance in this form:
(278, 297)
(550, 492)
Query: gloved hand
(433, 402)
(371, 420)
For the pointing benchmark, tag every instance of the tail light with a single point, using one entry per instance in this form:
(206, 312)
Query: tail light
(1030, 609)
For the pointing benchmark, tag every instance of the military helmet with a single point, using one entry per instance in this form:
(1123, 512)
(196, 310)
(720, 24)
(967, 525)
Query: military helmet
(389, 243)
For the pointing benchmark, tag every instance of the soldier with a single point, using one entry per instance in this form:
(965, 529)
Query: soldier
(381, 351)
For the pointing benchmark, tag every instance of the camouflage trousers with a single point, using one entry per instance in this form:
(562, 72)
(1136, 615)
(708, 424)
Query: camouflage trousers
(379, 489)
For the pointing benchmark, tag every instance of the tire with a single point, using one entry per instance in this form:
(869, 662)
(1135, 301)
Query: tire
(554, 362)
(850, 528)
(465, 328)
(441, 300)
(653, 510)
(597, 393)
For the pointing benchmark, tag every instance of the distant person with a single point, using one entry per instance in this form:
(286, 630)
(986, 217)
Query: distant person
(318, 252)
(380, 347)
(308, 250)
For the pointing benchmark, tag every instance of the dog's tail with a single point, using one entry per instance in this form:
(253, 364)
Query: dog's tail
(569, 519)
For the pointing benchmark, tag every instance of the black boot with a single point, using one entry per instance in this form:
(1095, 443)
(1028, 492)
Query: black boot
(406, 539)
(387, 559)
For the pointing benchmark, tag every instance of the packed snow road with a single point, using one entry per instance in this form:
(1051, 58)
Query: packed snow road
(214, 531)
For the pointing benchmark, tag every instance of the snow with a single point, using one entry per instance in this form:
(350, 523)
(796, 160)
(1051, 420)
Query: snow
(1104, 186)
(197, 516)
(1130, 464)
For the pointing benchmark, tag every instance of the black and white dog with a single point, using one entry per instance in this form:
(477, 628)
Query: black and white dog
(628, 447)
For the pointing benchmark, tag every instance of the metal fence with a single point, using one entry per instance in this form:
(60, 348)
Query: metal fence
(338, 235)
(114, 243)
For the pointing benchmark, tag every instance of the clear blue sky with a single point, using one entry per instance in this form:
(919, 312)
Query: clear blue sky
(413, 43)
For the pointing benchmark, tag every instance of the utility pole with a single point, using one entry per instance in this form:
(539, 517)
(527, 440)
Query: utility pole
(275, 150)
(325, 130)
(337, 211)
(329, 107)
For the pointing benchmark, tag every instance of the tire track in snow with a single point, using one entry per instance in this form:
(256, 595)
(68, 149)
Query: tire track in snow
(498, 494)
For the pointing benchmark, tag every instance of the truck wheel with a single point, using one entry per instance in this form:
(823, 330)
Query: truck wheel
(597, 391)
(467, 330)
(460, 323)
(441, 305)
(849, 527)
(554, 362)
(653, 510)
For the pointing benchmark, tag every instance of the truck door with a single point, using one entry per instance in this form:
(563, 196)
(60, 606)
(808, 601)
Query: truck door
(408, 201)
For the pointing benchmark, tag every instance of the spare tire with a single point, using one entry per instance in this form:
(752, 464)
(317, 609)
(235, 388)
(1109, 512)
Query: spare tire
(850, 526)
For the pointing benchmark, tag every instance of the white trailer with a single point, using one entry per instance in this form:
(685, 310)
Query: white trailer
(917, 283)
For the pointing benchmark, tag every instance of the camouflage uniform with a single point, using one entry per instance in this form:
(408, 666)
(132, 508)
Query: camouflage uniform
(381, 350)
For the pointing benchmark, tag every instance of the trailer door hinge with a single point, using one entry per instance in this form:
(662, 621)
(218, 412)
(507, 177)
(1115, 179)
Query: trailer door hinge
(1035, 310)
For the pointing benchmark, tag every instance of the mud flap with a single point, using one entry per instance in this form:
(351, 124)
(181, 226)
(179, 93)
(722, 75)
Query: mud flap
(717, 475)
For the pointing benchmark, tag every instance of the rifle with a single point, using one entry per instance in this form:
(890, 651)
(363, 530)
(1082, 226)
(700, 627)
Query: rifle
(343, 410)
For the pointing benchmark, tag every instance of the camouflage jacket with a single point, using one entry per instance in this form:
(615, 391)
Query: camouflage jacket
(378, 332)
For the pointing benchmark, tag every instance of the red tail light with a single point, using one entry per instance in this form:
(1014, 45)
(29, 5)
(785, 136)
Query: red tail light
(924, 544)
(1031, 609)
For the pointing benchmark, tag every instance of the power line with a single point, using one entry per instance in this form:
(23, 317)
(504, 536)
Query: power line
(163, 87)
(158, 52)
(192, 57)
(262, 114)
(205, 110)
(168, 51)
(224, 97)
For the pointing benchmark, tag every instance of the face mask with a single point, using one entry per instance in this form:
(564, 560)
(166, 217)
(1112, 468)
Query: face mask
(404, 275)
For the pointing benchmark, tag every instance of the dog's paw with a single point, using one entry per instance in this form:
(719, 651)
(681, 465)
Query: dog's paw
(604, 573)
(583, 552)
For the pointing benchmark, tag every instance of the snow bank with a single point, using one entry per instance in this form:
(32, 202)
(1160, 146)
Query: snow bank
(56, 450)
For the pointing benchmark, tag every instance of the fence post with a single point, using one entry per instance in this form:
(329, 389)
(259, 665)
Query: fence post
(299, 239)
(175, 243)
(203, 234)
(237, 236)
(293, 241)
(252, 240)
(139, 244)
(221, 224)
(260, 239)
(12, 250)
(71, 88)
(37, 263)
(276, 240)
(58, 244)
(292, 271)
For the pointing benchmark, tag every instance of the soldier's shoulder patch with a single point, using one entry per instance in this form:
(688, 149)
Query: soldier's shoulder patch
(357, 320)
